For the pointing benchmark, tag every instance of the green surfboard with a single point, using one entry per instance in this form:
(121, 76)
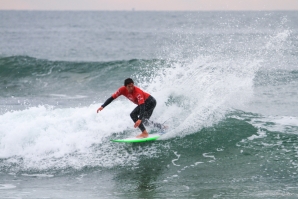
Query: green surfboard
(151, 137)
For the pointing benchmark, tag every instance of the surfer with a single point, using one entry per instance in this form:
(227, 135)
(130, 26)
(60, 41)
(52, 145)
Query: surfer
(141, 114)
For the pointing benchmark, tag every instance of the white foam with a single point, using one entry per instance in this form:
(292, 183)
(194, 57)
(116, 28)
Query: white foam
(42, 130)
(38, 175)
(7, 186)
(197, 94)
(283, 124)
(47, 138)
(278, 40)
(206, 155)
(174, 160)
(62, 96)
(286, 120)
(261, 134)
(196, 163)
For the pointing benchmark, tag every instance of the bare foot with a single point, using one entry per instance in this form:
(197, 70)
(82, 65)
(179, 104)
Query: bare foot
(143, 135)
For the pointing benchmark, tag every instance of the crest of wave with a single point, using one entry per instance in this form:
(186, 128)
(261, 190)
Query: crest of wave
(196, 94)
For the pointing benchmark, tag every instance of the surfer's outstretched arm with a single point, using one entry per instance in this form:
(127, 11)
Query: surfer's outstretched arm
(107, 102)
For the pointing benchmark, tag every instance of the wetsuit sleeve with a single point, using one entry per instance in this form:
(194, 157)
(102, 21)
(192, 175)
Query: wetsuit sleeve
(142, 111)
(114, 96)
(108, 101)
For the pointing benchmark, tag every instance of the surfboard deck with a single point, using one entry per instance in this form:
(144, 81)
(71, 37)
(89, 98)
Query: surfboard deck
(151, 137)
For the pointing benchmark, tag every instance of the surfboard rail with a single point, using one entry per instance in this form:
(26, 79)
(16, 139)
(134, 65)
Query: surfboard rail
(151, 137)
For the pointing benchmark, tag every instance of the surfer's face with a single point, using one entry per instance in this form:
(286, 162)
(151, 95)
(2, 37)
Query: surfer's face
(130, 87)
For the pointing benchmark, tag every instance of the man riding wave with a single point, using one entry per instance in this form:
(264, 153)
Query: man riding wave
(141, 114)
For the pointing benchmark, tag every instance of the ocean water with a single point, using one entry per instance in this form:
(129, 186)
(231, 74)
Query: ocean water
(225, 83)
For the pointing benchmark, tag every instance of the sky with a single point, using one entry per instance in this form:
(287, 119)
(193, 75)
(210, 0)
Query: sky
(157, 5)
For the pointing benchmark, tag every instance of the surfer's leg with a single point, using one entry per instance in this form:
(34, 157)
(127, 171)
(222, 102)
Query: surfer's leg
(135, 116)
(144, 133)
(150, 105)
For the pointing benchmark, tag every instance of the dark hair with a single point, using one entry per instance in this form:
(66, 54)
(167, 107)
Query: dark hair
(128, 81)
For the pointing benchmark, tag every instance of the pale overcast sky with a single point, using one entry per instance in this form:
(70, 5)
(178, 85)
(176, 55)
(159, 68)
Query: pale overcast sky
(157, 5)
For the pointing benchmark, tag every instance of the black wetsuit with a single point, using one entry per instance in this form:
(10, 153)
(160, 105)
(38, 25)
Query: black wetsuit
(142, 112)
(148, 107)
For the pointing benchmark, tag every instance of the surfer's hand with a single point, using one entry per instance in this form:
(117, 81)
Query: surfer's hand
(99, 109)
(137, 123)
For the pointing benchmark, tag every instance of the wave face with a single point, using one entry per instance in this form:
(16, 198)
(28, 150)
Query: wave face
(197, 99)
(225, 83)
(57, 125)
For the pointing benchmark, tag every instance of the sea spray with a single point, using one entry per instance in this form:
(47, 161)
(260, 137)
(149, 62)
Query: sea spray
(197, 94)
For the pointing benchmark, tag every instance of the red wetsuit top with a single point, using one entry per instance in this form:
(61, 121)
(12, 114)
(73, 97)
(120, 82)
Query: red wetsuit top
(137, 96)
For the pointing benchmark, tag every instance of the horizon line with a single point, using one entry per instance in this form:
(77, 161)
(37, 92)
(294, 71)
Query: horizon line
(134, 10)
